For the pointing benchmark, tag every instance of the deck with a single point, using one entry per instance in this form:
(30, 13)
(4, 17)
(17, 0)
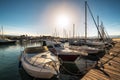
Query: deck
(108, 67)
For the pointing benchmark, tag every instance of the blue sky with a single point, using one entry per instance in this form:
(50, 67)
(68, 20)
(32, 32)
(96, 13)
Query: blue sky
(38, 17)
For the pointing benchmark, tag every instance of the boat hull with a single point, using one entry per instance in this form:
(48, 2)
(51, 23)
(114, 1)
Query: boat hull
(39, 63)
(68, 57)
(37, 73)
(7, 42)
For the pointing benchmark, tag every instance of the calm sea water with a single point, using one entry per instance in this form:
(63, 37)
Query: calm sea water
(9, 58)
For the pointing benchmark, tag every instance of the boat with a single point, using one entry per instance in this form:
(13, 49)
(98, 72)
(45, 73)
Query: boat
(89, 50)
(95, 43)
(5, 41)
(64, 53)
(39, 62)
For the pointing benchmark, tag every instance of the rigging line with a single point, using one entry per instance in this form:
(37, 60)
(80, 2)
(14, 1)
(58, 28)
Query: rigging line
(107, 34)
(103, 32)
(94, 22)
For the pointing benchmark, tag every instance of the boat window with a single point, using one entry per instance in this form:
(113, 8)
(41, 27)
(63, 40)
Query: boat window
(57, 45)
(50, 46)
(44, 56)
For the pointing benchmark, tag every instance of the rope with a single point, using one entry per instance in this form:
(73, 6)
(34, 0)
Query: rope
(75, 74)
(67, 69)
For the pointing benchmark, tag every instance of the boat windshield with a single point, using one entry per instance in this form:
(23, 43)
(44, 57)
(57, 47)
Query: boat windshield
(50, 46)
(34, 50)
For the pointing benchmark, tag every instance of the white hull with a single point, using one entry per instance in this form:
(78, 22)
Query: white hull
(40, 65)
(63, 51)
(38, 72)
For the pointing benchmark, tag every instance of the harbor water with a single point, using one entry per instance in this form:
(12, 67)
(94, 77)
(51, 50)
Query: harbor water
(9, 59)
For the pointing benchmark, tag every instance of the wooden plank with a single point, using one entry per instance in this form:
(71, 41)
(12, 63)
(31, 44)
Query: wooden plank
(112, 75)
(85, 78)
(88, 76)
(115, 66)
(91, 77)
(96, 75)
(113, 60)
(114, 57)
(107, 58)
(112, 63)
(111, 67)
(118, 55)
(113, 72)
(115, 49)
(104, 60)
(99, 74)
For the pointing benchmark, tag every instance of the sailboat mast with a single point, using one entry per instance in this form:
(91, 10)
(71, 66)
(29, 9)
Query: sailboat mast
(95, 22)
(73, 31)
(98, 26)
(85, 21)
(2, 32)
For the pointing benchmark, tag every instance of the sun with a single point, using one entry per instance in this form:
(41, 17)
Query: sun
(63, 20)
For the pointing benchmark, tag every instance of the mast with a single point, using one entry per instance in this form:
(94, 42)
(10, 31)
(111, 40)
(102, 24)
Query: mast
(55, 33)
(85, 21)
(95, 22)
(2, 32)
(102, 30)
(69, 34)
(98, 26)
(73, 31)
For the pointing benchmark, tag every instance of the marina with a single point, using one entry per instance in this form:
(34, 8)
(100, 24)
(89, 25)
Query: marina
(58, 40)
(9, 55)
(84, 68)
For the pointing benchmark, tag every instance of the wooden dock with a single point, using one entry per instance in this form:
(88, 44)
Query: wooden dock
(108, 67)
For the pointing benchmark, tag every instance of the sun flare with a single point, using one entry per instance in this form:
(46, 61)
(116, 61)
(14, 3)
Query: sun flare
(63, 20)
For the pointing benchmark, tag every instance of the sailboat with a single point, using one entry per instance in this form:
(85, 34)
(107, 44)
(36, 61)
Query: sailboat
(103, 43)
(89, 50)
(4, 41)
(98, 46)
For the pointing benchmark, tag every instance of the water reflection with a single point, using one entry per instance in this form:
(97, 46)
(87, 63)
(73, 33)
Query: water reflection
(9, 64)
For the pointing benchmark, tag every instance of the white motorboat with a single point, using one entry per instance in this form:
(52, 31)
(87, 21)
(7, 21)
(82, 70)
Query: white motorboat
(65, 54)
(38, 62)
